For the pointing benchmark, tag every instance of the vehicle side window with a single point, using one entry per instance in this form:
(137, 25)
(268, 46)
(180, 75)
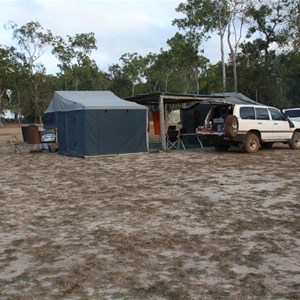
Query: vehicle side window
(247, 113)
(262, 113)
(276, 115)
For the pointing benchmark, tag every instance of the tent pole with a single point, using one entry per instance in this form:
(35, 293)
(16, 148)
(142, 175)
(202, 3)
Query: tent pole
(162, 123)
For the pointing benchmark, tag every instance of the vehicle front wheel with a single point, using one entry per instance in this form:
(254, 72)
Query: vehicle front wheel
(295, 141)
(222, 148)
(251, 143)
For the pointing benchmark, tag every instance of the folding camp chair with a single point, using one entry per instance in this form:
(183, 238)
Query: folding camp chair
(171, 128)
(173, 139)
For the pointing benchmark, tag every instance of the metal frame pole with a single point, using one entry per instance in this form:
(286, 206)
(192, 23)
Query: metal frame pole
(162, 123)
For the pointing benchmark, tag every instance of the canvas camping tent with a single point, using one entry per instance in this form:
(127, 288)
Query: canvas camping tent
(97, 123)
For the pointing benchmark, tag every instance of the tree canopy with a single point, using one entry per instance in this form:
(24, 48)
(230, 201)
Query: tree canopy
(263, 61)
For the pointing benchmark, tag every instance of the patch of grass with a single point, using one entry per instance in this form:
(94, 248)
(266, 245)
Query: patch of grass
(162, 289)
(254, 259)
(10, 251)
(242, 225)
(17, 243)
(219, 293)
(253, 286)
(68, 285)
(258, 223)
(21, 277)
(47, 252)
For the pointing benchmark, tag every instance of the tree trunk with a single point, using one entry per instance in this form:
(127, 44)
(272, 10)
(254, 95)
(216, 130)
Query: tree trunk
(19, 109)
(1, 123)
(233, 60)
(223, 61)
(167, 80)
(235, 79)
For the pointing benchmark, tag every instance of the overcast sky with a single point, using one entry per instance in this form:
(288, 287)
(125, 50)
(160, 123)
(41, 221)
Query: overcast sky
(120, 26)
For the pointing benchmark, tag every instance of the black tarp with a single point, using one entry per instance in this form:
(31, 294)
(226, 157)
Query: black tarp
(194, 115)
(97, 123)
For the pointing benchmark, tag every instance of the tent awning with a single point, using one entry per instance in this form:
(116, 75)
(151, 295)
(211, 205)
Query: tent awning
(172, 98)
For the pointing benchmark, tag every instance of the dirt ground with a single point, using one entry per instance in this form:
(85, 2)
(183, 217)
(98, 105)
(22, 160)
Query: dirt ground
(175, 225)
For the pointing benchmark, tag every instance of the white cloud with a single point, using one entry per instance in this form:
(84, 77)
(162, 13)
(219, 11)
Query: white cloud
(120, 26)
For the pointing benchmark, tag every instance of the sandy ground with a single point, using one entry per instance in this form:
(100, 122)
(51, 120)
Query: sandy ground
(175, 225)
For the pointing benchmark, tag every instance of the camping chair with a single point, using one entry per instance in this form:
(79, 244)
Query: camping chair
(173, 139)
(171, 128)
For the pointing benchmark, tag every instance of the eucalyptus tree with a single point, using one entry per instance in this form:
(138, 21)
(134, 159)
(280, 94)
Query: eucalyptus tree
(74, 55)
(120, 84)
(201, 18)
(13, 78)
(160, 72)
(268, 36)
(291, 78)
(236, 20)
(212, 79)
(133, 68)
(206, 16)
(5, 69)
(221, 8)
(269, 20)
(189, 64)
(33, 41)
(293, 29)
(152, 73)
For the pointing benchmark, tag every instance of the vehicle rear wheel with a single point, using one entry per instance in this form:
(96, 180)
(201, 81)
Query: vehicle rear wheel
(251, 143)
(222, 148)
(231, 126)
(267, 145)
(295, 141)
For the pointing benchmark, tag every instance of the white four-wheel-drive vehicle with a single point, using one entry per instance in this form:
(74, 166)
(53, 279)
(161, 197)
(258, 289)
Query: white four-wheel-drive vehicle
(250, 127)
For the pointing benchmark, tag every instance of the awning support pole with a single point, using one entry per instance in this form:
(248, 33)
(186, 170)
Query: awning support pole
(162, 123)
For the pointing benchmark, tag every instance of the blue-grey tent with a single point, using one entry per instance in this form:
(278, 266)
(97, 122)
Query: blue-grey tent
(97, 123)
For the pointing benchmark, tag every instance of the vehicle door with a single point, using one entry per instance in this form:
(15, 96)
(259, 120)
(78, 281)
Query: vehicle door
(246, 119)
(281, 127)
(264, 123)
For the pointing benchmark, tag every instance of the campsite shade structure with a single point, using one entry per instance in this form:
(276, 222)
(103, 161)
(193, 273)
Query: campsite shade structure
(97, 123)
(161, 99)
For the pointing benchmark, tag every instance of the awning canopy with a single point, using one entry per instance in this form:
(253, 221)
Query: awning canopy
(173, 98)
(161, 99)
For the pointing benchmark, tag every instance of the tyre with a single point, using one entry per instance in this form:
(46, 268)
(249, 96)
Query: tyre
(267, 145)
(222, 148)
(231, 126)
(251, 143)
(295, 141)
